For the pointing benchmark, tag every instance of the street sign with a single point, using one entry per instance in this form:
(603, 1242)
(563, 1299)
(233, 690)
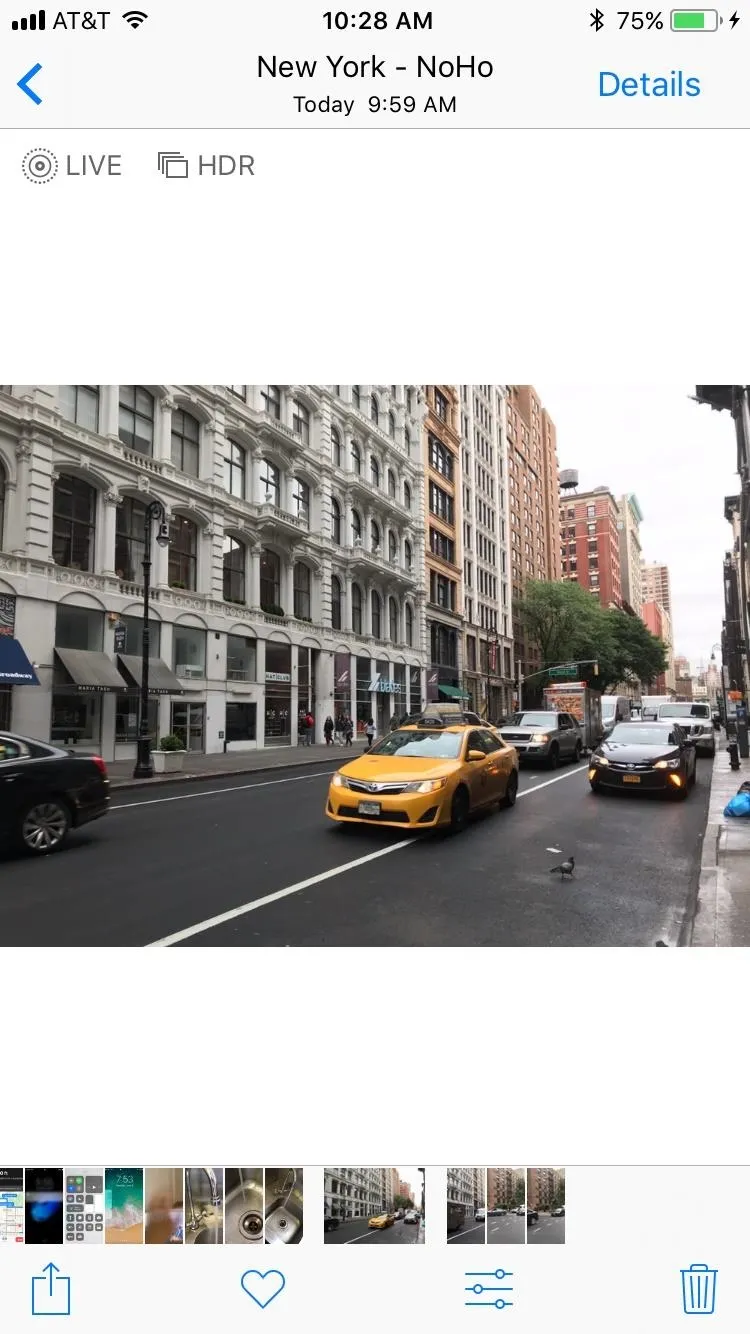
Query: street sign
(121, 637)
(566, 671)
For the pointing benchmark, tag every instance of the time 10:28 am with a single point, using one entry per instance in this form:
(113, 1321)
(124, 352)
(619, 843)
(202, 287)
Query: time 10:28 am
(378, 20)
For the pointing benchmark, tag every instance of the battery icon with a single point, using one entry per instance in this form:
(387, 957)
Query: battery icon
(694, 20)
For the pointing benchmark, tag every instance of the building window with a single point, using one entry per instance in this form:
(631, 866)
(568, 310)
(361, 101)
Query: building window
(271, 396)
(356, 528)
(374, 409)
(391, 425)
(442, 591)
(355, 395)
(302, 585)
(471, 653)
(375, 612)
(3, 480)
(137, 411)
(374, 536)
(375, 472)
(590, 511)
(408, 555)
(336, 448)
(189, 651)
(391, 484)
(441, 406)
(356, 458)
(443, 645)
(441, 459)
(393, 621)
(73, 523)
(79, 627)
(241, 721)
(239, 390)
(79, 403)
(356, 609)
(335, 603)
(270, 581)
(183, 554)
(235, 470)
(185, 446)
(409, 626)
(444, 547)
(130, 536)
(234, 570)
(407, 496)
(336, 522)
(134, 636)
(301, 422)
(270, 483)
(301, 500)
(392, 547)
(441, 504)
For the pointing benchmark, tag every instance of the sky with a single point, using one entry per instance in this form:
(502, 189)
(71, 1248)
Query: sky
(679, 459)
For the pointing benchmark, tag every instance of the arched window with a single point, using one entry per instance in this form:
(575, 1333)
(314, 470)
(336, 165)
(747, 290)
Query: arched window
(336, 522)
(392, 547)
(136, 420)
(391, 425)
(375, 611)
(73, 523)
(302, 587)
(270, 483)
(356, 527)
(185, 443)
(130, 536)
(409, 626)
(335, 603)
(356, 609)
(407, 555)
(374, 535)
(235, 470)
(183, 553)
(356, 458)
(391, 483)
(374, 409)
(301, 422)
(336, 447)
(301, 500)
(270, 580)
(374, 472)
(234, 570)
(271, 396)
(355, 395)
(393, 620)
(407, 496)
(3, 480)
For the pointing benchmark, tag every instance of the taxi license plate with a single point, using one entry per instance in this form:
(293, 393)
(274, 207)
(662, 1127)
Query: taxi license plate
(631, 778)
(369, 808)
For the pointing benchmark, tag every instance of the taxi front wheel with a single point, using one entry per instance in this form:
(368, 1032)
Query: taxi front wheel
(511, 790)
(459, 810)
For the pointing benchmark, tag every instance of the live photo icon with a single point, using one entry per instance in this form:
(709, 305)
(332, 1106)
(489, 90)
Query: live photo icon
(32, 23)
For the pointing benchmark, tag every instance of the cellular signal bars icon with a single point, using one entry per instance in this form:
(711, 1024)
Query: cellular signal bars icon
(34, 23)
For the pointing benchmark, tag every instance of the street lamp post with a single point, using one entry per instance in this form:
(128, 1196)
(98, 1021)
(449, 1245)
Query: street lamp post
(155, 513)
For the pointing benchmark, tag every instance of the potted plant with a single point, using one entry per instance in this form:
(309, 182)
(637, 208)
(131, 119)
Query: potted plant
(169, 758)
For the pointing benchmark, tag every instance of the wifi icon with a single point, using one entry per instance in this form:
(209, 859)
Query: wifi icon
(135, 17)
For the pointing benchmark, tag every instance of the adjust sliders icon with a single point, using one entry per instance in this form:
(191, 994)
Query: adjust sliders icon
(483, 1294)
(173, 165)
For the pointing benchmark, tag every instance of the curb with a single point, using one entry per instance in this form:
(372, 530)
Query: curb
(137, 784)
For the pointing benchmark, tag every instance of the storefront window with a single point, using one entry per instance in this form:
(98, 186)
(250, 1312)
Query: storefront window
(415, 689)
(79, 627)
(363, 701)
(278, 692)
(76, 719)
(240, 658)
(127, 713)
(342, 685)
(189, 657)
(306, 666)
(399, 700)
(189, 724)
(241, 722)
(134, 636)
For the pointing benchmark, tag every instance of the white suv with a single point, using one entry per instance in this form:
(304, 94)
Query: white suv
(696, 720)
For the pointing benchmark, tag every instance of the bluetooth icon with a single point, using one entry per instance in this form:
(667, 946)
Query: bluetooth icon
(597, 20)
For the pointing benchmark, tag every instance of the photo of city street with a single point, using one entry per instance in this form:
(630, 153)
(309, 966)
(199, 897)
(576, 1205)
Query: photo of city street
(545, 1205)
(466, 1205)
(374, 1205)
(506, 1206)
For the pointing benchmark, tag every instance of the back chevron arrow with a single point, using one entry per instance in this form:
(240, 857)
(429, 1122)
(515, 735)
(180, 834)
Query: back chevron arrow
(23, 84)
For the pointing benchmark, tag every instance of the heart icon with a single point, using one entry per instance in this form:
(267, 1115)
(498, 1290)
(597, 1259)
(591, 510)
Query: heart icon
(263, 1287)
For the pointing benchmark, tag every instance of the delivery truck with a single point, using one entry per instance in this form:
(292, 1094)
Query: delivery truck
(584, 704)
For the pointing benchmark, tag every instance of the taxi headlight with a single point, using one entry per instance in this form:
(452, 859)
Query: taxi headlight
(339, 780)
(429, 785)
(540, 736)
(599, 759)
(667, 764)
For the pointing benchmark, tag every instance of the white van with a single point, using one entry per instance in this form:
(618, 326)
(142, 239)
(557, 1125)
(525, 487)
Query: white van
(615, 709)
(651, 704)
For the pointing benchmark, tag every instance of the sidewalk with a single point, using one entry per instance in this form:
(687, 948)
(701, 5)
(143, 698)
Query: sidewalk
(723, 908)
(249, 762)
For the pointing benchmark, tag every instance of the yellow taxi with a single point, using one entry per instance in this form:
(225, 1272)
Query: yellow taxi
(433, 773)
(381, 1220)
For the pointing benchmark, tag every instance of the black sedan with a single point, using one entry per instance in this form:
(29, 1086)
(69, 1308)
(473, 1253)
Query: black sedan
(644, 757)
(45, 792)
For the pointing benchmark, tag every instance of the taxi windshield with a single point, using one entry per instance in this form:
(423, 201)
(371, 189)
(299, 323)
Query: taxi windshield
(428, 745)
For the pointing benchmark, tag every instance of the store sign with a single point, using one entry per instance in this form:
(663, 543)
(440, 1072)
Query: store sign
(382, 687)
(278, 676)
(121, 637)
(7, 614)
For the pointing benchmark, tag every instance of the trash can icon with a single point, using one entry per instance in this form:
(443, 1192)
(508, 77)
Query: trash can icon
(698, 1290)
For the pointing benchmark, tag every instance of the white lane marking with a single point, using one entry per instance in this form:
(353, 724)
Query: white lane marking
(218, 791)
(278, 894)
(580, 769)
(553, 849)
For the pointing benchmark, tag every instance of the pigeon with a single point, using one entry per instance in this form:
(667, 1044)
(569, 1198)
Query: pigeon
(565, 868)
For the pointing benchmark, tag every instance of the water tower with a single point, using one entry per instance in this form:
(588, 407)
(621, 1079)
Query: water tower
(568, 480)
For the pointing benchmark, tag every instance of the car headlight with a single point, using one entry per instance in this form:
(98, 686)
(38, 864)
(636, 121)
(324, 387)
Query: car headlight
(667, 764)
(429, 785)
(339, 780)
(599, 759)
(540, 736)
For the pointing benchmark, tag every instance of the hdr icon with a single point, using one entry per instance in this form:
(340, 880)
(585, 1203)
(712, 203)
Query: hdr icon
(223, 164)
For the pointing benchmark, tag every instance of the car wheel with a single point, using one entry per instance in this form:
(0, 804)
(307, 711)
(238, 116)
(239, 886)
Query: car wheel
(577, 753)
(681, 793)
(554, 757)
(460, 807)
(595, 788)
(44, 826)
(511, 790)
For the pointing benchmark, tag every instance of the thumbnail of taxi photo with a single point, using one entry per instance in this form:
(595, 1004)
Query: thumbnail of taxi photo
(380, 1206)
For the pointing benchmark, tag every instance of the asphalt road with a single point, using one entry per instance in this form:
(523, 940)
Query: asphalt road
(357, 1233)
(471, 1233)
(508, 1230)
(548, 1231)
(259, 854)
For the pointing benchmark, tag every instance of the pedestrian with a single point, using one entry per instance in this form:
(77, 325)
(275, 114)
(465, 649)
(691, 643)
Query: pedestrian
(328, 730)
(395, 722)
(370, 732)
(348, 730)
(309, 728)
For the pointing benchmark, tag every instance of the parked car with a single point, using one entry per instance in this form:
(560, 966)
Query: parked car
(647, 756)
(696, 719)
(558, 1213)
(532, 1216)
(330, 1224)
(411, 1216)
(399, 1214)
(540, 734)
(480, 1215)
(46, 792)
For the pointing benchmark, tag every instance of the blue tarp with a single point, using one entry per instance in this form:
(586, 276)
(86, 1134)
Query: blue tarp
(15, 668)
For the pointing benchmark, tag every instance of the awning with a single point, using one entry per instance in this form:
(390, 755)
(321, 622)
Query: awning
(452, 692)
(15, 668)
(161, 678)
(89, 671)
